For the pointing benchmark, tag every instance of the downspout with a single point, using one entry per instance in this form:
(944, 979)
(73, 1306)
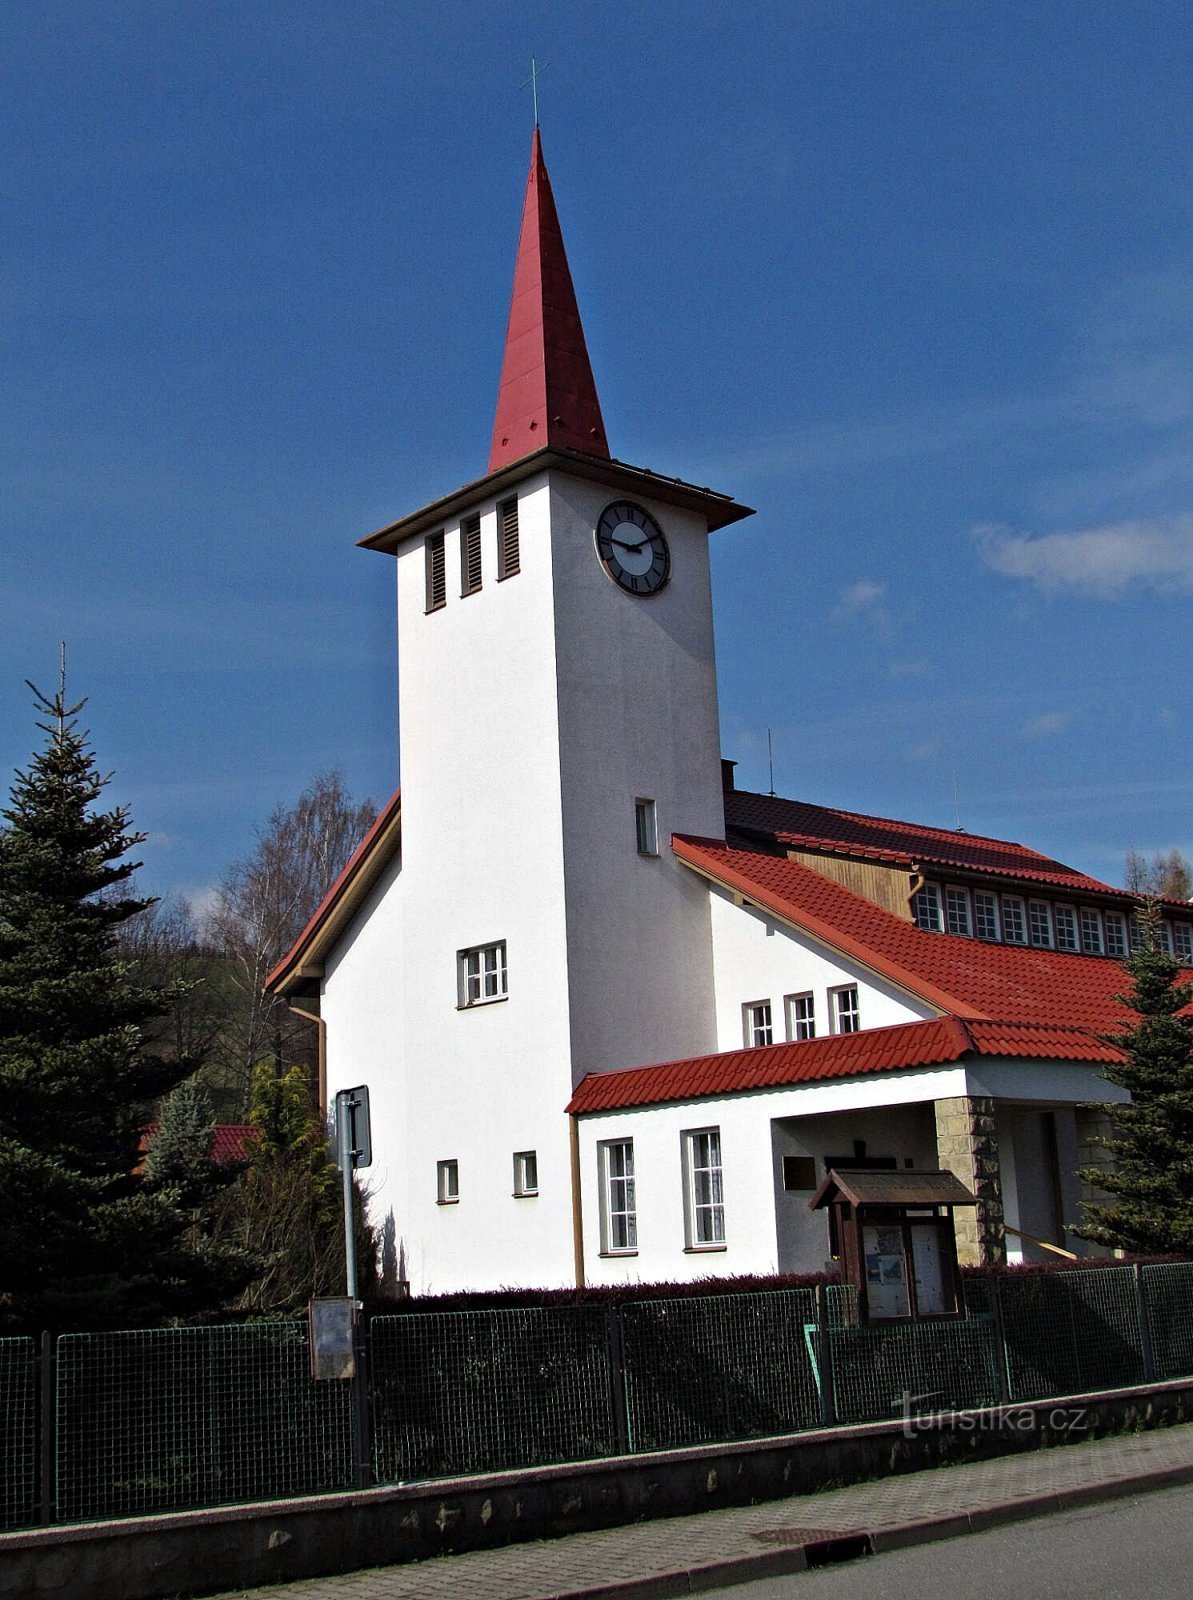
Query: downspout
(577, 1206)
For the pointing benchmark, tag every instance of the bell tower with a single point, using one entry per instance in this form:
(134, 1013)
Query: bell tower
(557, 723)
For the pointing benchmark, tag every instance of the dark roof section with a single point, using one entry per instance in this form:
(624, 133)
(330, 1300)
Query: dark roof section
(862, 1188)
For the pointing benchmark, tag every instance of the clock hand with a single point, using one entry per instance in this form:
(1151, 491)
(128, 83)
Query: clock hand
(632, 548)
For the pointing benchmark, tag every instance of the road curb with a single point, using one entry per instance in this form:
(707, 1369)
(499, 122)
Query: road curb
(777, 1563)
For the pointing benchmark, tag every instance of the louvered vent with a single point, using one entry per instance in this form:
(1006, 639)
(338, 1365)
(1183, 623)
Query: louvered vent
(507, 539)
(436, 572)
(470, 555)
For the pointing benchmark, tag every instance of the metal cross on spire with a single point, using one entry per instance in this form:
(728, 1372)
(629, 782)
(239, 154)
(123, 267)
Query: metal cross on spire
(532, 83)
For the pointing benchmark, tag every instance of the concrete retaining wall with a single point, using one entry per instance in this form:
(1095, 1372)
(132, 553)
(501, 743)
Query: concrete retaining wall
(201, 1552)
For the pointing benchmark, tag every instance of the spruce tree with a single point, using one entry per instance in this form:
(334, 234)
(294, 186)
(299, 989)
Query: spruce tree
(85, 1240)
(1151, 1185)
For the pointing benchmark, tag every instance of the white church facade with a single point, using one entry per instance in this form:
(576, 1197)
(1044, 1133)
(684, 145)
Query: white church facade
(616, 1017)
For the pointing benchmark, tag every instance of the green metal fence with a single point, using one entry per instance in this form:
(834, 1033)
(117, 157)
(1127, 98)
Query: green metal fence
(161, 1420)
(18, 1432)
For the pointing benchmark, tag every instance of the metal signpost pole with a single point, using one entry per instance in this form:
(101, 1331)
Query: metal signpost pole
(354, 1148)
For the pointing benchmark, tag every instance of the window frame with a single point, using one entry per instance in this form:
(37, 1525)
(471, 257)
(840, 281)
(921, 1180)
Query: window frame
(1096, 947)
(988, 901)
(526, 1174)
(700, 1213)
(465, 978)
(837, 1013)
(1016, 901)
(794, 1023)
(1182, 941)
(447, 1181)
(628, 1212)
(1047, 941)
(1067, 914)
(646, 825)
(928, 894)
(754, 1023)
(1120, 936)
(957, 893)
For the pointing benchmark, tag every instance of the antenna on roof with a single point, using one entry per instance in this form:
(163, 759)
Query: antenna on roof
(532, 83)
(957, 828)
(770, 756)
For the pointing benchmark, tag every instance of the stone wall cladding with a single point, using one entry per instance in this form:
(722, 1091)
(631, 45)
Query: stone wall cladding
(967, 1145)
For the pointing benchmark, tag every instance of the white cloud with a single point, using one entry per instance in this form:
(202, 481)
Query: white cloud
(1043, 726)
(1101, 562)
(865, 592)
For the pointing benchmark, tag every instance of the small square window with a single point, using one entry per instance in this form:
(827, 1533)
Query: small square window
(1091, 931)
(925, 908)
(1116, 935)
(801, 1016)
(799, 1173)
(1014, 923)
(619, 1205)
(1039, 918)
(526, 1173)
(759, 1027)
(846, 1011)
(447, 1175)
(482, 974)
(956, 903)
(704, 1197)
(646, 827)
(1066, 928)
(985, 915)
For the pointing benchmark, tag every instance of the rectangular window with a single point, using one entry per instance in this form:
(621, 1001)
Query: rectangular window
(956, 905)
(1182, 936)
(436, 572)
(1014, 924)
(1091, 931)
(526, 1172)
(482, 974)
(1066, 928)
(470, 555)
(759, 1028)
(985, 915)
(801, 1016)
(507, 539)
(705, 1189)
(1116, 935)
(646, 825)
(619, 1206)
(1166, 937)
(799, 1173)
(447, 1182)
(1039, 915)
(925, 908)
(846, 1013)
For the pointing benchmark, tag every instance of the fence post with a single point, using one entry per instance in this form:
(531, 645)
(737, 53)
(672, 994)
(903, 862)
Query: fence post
(46, 1463)
(1145, 1326)
(617, 1385)
(1002, 1367)
(362, 1443)
(824, 1359)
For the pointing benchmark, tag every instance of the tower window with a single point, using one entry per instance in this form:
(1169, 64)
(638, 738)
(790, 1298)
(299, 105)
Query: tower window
(470, 555)
(447, 1182)
(646, 825)
(436, 572)
(507, 539)
(482, 974)
(759, 1026)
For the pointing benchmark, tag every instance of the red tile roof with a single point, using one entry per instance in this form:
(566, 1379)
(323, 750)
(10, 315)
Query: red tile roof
(230, 1141)
(961, 976)
(936, 1043)
(805, 826)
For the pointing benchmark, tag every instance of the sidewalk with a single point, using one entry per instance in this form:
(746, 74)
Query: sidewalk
(679, 1555)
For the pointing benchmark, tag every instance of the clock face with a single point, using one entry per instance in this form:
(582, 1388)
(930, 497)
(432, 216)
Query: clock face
(633, 548)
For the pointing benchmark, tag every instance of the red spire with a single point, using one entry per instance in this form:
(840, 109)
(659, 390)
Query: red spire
(547, 394)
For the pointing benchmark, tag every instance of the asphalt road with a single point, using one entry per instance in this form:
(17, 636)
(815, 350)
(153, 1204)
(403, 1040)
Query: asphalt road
(1140, 1548)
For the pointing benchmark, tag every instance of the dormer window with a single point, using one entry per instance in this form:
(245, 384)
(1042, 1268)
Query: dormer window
(925, 908)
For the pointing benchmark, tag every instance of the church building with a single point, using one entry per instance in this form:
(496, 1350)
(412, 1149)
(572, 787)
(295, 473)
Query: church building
(617, 1017)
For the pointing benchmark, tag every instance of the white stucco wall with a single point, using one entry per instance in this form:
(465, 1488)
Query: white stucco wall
(757, 958)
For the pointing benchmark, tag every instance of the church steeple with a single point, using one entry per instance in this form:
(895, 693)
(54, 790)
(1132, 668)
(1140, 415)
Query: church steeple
(547, 394)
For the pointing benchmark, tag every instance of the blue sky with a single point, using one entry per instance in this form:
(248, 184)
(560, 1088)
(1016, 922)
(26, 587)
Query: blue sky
(913, 279)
